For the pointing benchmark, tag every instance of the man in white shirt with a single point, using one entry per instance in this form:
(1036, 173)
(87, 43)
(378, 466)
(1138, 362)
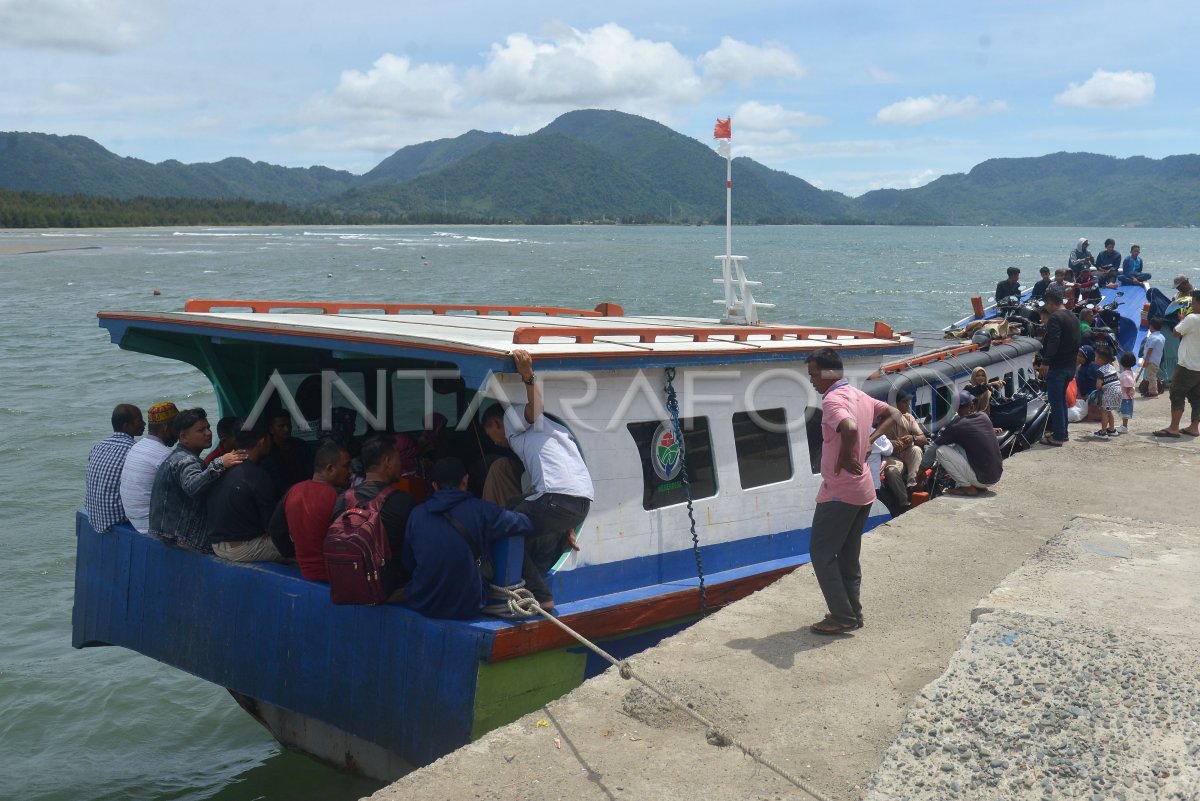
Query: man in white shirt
(1185, 383)
(562, 490)
(142, 461)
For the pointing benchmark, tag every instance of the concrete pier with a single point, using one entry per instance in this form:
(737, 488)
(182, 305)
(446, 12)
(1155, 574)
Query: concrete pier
(1078, 577)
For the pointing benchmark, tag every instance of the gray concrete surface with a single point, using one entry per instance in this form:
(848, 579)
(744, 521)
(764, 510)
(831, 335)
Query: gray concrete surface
(830, 709)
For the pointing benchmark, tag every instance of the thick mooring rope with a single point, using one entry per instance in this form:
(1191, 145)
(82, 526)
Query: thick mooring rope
(521, 603)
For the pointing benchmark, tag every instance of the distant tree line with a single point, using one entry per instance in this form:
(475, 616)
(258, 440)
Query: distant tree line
(44, 210)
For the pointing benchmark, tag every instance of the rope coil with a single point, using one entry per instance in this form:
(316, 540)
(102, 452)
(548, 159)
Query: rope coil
(520, 598)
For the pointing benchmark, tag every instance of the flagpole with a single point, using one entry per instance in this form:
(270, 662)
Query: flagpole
(728, 201)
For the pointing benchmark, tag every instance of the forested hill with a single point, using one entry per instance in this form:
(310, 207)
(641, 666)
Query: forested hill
(75, 165)
(608, 166)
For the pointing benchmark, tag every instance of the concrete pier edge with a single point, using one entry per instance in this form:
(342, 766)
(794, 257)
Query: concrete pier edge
(1080, 566)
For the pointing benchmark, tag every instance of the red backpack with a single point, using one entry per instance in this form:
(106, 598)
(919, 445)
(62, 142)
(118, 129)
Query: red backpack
(357, 552)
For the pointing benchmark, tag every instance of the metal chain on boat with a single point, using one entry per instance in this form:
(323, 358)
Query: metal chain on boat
(673, 409)
(523, 604)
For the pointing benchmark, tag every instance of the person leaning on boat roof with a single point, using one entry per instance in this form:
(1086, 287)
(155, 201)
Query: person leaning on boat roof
(178, 515)
(240, 505)
(847, 491)
(102, 500)
(562, 486)
(142, 461)
(301, 519)
(967, 449)
(446, 544)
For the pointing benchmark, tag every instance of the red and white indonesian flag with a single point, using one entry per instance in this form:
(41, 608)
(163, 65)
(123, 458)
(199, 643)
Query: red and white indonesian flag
(723, 132)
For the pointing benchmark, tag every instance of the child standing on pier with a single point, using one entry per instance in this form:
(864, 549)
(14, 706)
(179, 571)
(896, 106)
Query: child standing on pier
(1128, 388)
(1108, 383)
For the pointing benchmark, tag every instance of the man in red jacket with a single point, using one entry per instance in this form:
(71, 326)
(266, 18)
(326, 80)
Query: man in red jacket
(302, 518)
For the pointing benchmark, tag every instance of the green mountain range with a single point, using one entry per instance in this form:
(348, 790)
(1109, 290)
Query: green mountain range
(607, 166)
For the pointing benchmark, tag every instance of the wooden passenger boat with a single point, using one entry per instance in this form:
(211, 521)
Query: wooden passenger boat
(378, 690)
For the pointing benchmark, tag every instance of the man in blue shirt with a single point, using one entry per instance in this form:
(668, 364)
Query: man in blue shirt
(447, 539)
(1108, 262)
(1131, 268)
(105, 462)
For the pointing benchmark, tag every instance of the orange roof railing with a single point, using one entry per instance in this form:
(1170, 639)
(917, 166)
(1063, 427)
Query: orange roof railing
(532, 335)
(337, 307)
(935, 356)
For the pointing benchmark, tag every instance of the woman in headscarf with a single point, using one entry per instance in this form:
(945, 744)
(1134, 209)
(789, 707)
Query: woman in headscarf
(982, 389)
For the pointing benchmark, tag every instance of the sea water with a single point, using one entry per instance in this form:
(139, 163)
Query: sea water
(104, 723)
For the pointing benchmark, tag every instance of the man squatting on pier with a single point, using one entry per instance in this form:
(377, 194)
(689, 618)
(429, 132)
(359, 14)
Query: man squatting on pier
(847, 491)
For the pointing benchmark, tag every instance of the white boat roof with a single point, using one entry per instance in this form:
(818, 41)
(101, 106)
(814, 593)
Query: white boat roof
(559, 334)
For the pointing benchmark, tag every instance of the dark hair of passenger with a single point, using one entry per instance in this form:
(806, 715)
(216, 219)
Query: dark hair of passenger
(1013, 271)
(1128, 359)
(246, 438)
(328, 454)
(448, 472)
(1104, 353)
(275, 414)
(827, 359)
(1053, 296)
(1156, 323)
(376, 449)
(903, 397)
(495, 411)
(1108, 242)
(1044, 271)
(227, 425)
(188, 418)
(123, 414)
(1195, 295)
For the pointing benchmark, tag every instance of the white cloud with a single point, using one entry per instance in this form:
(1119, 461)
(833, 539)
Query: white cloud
(602, 66)
(743, 64)
(392, 89)
(97, 26)
(1110, 90)
(920, 110)
(398, 101)
(760, 118)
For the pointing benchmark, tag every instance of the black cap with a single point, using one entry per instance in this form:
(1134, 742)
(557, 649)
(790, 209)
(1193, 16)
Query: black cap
(448, 472)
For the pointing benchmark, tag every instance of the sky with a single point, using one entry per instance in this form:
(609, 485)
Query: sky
(850, 96)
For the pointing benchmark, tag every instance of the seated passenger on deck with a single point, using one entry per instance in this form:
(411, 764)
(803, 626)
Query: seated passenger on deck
(1065, 287)
(241, 503)
(443, 559)
(142, 462)
(178, 514)
(1039, 288)
(102, 500)
(968, 450)
(383, 468)
(1132, 270)
(290, 460)
(226, 431)
(301, 519)
(982, 389)
(1011, 286)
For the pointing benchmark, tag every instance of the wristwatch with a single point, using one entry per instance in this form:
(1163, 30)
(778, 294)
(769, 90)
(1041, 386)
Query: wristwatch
(531, 379)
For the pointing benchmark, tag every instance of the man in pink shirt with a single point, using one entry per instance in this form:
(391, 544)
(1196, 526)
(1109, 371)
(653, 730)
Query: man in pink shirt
(847, 491)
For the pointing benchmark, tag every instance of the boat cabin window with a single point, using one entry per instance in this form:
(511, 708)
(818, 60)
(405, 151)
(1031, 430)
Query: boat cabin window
(944, 407)
(408, 402)
(761, 442)
(662, 461)
(306, 391)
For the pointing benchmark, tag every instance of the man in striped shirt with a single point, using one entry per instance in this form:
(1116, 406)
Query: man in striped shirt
(107, 458)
